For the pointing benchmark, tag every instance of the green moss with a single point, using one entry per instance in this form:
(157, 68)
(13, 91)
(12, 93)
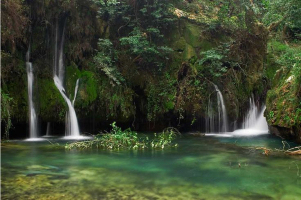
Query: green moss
(192, 35)
(283, 100)
(206, 45)
(72, 74)
(88, 88)
(189, 52)
(52, 106)
(179, 44)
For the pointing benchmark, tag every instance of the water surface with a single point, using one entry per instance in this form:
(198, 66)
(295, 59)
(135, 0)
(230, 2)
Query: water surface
(200, 168)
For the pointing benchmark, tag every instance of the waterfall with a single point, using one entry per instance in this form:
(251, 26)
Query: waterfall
(261, 122)
(48, 129)
(33, 125)
(67, 117)
(251, 117)
(222, 113)
(72, 128)
(210, 119)
(255, 117)
(254, 122)
(217, 122)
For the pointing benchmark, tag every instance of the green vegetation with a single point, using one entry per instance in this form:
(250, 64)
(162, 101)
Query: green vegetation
(282, 13)
(284, 98)
(216, 61)
(127, 139)
(161, 97)
(105, 60)
(165, 139)
(6, 113)
(140, 27)
(152, 63)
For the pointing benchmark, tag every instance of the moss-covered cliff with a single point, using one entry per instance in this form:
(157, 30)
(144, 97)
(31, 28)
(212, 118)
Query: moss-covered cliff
(153, 67)
(284, 99)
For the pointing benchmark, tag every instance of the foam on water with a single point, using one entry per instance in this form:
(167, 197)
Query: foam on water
(80, 137)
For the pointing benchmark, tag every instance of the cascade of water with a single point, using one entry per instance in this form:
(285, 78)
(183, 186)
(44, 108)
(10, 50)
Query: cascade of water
(72, 128)
(72, 119)
(33, 117)
(211, 117)
(254, 122)
(261, 122)
(255, 118)
(251, 117)
(48, 129)
(222, 113)
(33, 125)
(217, 122)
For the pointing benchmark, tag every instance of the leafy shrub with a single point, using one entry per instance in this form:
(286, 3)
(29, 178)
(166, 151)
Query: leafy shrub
(165, 139)
(127, 139)
(105, 60)
(215, 61)
(286, 11)
(139, 26)
(161, 96)
(139, 44)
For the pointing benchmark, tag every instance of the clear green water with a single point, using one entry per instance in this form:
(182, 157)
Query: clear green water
(200, 168)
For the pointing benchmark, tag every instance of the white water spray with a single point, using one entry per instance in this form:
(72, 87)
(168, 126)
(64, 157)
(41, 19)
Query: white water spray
(251, 117)
(217, 122)
(254, 123)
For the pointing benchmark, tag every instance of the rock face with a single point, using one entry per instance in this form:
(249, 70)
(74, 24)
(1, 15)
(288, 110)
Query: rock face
(284, 104)
(205, 48)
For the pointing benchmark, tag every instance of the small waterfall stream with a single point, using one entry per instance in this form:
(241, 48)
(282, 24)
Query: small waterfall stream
(255, 119)
(254, 122)
(72, 129)
(217, 121)
(251, 117)
(48, 130)
(33, 125)
(72, 123)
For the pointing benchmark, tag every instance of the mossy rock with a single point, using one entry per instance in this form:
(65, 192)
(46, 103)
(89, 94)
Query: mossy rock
(189, 52)
(206, 45)
(283, 103)
(52, 106)
(179, 44)
(87, 92)
(72, 74)
(192, 35)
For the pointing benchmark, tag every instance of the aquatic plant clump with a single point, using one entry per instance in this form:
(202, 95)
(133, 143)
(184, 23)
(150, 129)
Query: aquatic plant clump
(165, 139)
(127, 139)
